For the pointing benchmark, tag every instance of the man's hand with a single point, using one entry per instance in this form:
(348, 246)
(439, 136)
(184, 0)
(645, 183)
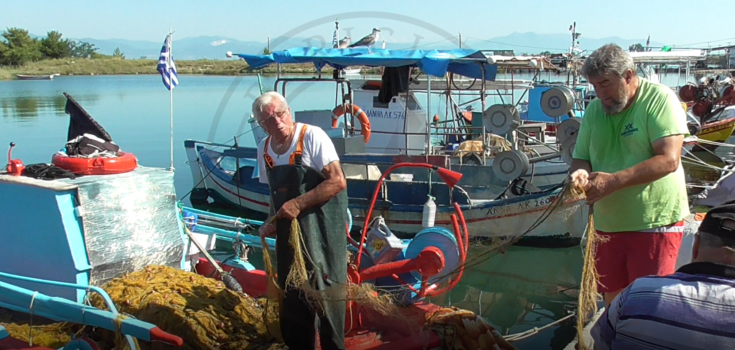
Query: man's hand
(580, 179)
(601, 185)
(290, 210)
(267, 229)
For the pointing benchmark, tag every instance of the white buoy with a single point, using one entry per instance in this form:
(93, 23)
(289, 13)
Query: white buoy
(429, 213)
(229, 54)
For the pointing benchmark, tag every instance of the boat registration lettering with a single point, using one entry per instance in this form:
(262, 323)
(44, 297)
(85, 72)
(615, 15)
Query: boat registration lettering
(374, 113)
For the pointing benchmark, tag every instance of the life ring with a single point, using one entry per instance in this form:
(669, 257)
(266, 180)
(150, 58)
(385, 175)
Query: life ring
(356, 111)
(126, 162)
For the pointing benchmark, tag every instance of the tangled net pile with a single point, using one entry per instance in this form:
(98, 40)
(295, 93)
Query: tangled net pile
(196, 308)
(207, 315)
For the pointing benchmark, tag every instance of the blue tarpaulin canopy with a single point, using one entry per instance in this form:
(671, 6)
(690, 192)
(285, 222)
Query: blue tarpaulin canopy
(467, 63)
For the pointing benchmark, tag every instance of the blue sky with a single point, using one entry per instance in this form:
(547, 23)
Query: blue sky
(667, 21)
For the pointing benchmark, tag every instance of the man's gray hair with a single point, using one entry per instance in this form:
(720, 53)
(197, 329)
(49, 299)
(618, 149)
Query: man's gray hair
(266, 99)
(610, 58)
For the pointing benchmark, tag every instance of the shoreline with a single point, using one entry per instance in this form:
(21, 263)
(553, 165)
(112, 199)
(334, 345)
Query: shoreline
(116, 66)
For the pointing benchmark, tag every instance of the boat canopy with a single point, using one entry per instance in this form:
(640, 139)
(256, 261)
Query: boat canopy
(668, 56)
(467, 63)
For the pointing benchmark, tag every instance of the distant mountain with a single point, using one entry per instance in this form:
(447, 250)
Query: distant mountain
(215, 47)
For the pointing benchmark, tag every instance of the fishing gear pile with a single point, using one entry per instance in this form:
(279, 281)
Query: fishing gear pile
(200, 310)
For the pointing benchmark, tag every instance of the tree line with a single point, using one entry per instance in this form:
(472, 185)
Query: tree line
(17, 48)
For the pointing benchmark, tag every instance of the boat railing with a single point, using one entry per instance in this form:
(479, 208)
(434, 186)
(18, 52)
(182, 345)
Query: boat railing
(89, 288)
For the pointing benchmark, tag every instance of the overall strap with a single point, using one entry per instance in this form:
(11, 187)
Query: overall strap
(269, 163)
(295, 158)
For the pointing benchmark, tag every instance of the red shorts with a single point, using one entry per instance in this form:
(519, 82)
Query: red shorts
(626, 256)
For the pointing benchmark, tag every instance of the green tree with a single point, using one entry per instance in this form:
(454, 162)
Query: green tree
(118, 54)
(20, 48)
(266, 51)
(545, 53)
(637, 47)
(83, 49)
(52, 46)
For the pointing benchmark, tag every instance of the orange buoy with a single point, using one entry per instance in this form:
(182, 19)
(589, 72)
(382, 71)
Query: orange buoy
(124, 163)
(356, 111)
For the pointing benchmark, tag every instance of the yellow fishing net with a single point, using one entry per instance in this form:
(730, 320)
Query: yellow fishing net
(463, 329)
(207, 315)
(196, 308)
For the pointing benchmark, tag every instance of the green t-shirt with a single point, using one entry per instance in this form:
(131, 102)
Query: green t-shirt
(620, 141)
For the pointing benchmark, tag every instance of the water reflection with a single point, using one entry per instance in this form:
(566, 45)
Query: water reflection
(29, 107)
(700, 174)
(522, 289)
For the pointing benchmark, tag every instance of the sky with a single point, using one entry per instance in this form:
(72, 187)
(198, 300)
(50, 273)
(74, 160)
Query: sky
(666, 21)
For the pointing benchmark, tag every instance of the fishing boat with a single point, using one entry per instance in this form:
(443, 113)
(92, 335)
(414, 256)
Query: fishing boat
(99, 227)
(503, 190)
(352, 71)
(709, 103)
(34, 77)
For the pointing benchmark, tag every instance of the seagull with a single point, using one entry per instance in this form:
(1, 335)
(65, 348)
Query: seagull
(368, 40)
(343, 43)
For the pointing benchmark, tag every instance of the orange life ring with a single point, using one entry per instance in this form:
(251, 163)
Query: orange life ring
(356, 111)
(126, 162)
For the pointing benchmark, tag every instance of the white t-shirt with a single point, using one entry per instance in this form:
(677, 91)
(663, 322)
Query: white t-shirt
(318, 151)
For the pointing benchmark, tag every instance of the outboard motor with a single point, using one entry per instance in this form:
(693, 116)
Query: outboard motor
(15, 166)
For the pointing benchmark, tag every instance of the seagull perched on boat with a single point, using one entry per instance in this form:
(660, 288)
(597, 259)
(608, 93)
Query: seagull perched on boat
(344, 43)
(368, 40)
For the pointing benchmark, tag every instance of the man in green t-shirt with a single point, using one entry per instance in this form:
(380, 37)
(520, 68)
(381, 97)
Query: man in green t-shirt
(627, 158)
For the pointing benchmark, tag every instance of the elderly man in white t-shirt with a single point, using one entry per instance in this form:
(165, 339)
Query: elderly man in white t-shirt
(301, 167)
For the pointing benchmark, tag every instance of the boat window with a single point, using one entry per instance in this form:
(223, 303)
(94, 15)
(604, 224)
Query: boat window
(411, 102)
(378, 104)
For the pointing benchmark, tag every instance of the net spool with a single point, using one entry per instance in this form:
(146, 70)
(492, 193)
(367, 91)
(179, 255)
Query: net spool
(702, 108)
(567, 149)
(557, 101)
(510, 165)
(438, 237)
(688, 93)
(501, 119)
(568, 128)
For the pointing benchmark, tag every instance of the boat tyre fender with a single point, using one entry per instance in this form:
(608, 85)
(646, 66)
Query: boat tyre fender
(356, 111)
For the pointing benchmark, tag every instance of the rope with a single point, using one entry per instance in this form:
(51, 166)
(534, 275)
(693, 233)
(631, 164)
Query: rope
(30, 322)
(531, 332)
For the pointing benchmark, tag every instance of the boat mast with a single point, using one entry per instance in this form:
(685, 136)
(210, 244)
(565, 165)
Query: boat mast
(573, 55)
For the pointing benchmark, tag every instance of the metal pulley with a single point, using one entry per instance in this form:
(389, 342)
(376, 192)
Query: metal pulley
(557, 101)
(510, 165)
(568, 128)
(501, 119)
(567, 149)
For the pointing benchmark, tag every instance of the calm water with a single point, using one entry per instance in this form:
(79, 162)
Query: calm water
(516, 291)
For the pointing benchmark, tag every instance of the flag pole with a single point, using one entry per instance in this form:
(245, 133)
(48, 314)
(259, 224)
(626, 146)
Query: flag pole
(171, 94)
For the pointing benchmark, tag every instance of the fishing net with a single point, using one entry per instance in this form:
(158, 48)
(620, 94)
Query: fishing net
(207, 315)
(588, 295)
(463, 329)
(298, 278)
(198, 309)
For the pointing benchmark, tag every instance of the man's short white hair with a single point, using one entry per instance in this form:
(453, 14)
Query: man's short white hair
(266, 99)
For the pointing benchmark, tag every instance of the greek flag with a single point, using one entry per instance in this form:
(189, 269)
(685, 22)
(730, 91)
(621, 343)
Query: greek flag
(335, 41)
(166, 65)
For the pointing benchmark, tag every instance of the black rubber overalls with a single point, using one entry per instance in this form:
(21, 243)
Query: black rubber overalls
(325, 254)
